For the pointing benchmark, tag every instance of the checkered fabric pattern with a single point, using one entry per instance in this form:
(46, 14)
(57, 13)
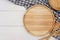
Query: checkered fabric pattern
(57, 37)
(29, 3)
(58, 32)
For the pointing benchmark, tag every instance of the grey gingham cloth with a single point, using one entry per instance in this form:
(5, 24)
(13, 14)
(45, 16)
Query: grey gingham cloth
(28, 3)
(57, 37)
(58, 34)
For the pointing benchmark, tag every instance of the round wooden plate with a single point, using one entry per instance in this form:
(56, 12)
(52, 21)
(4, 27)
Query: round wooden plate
(55, 4)
(39, 20)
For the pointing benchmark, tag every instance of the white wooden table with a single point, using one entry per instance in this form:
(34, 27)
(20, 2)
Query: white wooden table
(11, 22)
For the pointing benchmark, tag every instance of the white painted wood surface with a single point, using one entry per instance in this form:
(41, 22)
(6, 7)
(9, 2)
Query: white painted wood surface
(11, 25)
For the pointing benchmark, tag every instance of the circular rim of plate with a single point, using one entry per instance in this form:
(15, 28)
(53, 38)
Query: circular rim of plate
(51, 14)
(52, 5)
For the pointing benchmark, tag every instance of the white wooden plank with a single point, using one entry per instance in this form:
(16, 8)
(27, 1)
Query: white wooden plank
(7, 5)
(11, 17)
(15, 33)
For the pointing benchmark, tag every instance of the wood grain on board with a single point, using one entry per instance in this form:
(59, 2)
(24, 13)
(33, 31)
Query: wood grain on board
(55, 4)
(38, 20)
(57, 28)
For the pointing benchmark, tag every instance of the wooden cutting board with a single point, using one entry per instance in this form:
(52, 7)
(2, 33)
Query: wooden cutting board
(38, 20)
(57, 28)
(55, 4)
